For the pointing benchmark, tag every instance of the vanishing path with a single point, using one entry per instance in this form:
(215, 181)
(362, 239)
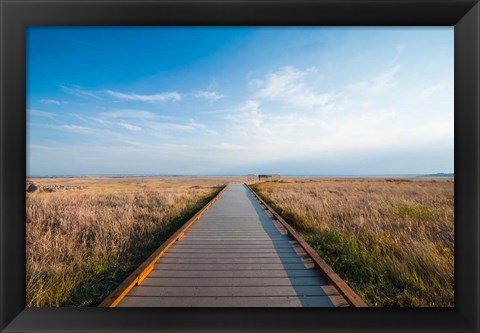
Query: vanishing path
(235, 255)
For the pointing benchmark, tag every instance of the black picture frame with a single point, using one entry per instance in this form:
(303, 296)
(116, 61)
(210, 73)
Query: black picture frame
(17, 15)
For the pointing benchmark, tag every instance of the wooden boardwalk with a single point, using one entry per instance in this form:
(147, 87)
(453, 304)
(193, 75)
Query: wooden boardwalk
(235, 255)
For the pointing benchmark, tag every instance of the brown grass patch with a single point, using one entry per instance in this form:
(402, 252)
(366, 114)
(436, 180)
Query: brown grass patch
(393, 241)
(82, 243)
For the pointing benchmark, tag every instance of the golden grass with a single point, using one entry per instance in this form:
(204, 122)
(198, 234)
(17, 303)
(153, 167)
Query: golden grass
(82, 243)
(392, 241)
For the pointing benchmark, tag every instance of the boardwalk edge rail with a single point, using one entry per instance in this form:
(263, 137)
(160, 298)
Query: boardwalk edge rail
(352, 298)
(147, 266)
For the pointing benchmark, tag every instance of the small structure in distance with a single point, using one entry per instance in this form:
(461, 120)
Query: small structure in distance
(263, 178)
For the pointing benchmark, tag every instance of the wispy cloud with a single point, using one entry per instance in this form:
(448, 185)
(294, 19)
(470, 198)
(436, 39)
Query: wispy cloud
(378, 84)
(155, 98)
(249, 121)
(230, 146)
(52, 101)
(79, 92)
(130, 127)
(130, 114)
(385, 79)
(433, 89)
(40, 113)
(34, 147)
(76, 128)
(172, 126)
(209, 95)
(399, 50)
(291, 86)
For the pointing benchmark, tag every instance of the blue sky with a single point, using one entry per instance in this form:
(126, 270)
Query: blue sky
(237, 100)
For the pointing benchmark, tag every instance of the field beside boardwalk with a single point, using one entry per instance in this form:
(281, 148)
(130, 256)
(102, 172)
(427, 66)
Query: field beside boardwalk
(86, 235)
(392, 240)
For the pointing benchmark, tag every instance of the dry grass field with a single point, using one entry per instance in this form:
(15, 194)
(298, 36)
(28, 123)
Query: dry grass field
(82, 242)
(391, 240)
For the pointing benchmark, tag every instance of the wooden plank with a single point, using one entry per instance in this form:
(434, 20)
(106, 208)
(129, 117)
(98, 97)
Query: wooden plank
(235, 281)
(227, 226)
(222, 267)
(233, 291)
(230, 255)
(237, 227)
(215, 247)
(244, 224)
(339, 301)
(233, 236)
(234, 239)
(239, 231)
(281, 301)
(224, 225)
(226, 236)
(230, 274)
(236, 250)
(271, 260)
(226, 250)
(235, 242)
(235, 233)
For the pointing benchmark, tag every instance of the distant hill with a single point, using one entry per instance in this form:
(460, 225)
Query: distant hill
(441, 174)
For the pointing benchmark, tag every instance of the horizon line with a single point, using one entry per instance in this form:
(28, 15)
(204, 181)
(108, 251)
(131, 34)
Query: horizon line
(237, 175)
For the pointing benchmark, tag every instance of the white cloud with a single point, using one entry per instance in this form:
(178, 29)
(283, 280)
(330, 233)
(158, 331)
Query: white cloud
(385, 79)
(76, 128)
(40, 113)
(291, 86)
(247, 121)
(209, 95)
(436, 88)
(362, 116)
(52, 101)
(378, 84)
(79, 92)
(34, 147)
(130, 114)
(130, 127)
(172, 126)
(230, 146)
(155, 98)
(399, 50)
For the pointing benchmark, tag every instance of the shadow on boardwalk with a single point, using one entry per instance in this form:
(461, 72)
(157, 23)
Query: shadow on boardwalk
(291, 263)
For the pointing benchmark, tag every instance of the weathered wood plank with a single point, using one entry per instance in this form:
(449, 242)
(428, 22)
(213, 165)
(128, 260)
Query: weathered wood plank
(231, 254)
(235, 234)
(217, 291)
(236, 242)
(230, 282)
(272, 260)
(281, 301)
(227, 250)
(235, 238)
(237, 273)
(222, 267)
(215, 247)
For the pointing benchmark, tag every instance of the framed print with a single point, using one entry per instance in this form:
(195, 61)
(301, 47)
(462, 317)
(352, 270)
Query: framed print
(240, 166)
